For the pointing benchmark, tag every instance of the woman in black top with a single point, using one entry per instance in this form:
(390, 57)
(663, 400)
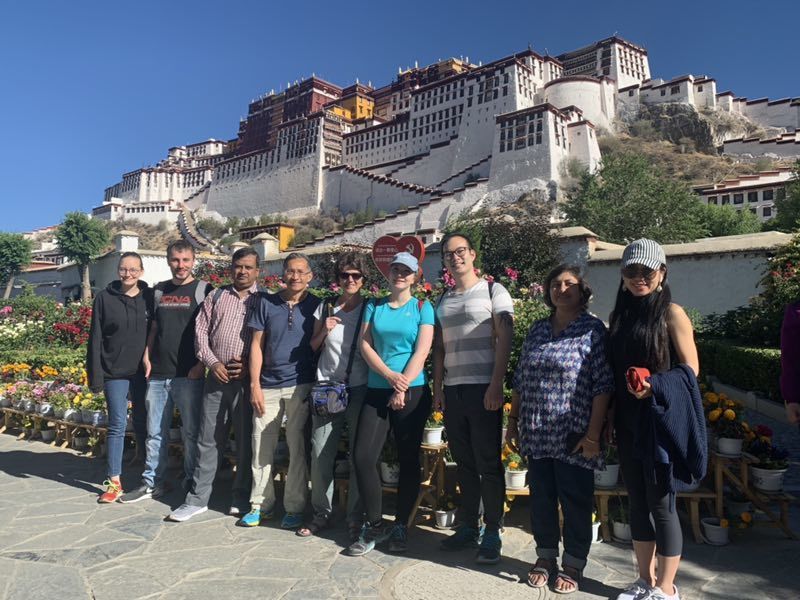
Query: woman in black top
(120, 318)
(647, 330)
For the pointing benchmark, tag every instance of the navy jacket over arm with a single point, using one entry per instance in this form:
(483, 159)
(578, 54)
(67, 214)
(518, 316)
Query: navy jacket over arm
(672, 439)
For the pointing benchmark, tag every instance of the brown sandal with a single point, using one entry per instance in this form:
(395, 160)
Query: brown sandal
(316, 525)
(541, 570)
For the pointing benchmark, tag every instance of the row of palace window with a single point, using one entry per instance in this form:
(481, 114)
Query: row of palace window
(738, 198)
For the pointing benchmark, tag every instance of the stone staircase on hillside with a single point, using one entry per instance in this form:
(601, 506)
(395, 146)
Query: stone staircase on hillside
(418, 189)
(462, 172)
(188, 228)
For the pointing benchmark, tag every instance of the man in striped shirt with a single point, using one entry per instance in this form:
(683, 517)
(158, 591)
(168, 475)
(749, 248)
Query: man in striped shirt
(221, 339)
(471, 347)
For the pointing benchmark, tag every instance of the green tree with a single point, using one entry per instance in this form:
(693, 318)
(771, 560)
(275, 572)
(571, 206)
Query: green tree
(787, 206)
(82, 239)
(15, 255)
(628, 199)
(726, 220)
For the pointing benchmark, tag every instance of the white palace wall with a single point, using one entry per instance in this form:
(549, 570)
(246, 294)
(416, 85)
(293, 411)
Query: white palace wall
(346, 191)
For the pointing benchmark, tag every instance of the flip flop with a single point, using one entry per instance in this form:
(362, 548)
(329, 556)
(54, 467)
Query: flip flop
(314, 527)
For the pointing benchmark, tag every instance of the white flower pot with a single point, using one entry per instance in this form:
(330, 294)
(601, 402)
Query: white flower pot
(729, 446)
(445, 518)
(5, 402)
(596, 532)
(606, 478)
(390, 473)
(432, 435)
(713, 532)
(736, 508)
(621, 531)
(48, 435)
(73, 415)
(515, 480)
(46, 409)
(97, 418)
(175, 434)
(80, 443)
(767, 480)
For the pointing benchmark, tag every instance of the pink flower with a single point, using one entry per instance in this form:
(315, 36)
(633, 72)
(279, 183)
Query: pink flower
(512, 274)
(448, 279)
(6, 310)
(334, 287)
(537, 289)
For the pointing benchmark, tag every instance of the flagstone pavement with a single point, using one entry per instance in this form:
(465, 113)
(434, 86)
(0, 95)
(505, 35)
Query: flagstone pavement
(57, 542)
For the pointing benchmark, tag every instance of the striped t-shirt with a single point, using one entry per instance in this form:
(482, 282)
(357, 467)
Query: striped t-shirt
(468, 331)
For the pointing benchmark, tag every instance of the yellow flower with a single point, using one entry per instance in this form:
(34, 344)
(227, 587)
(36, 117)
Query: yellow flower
(729, 414)
(714, 414)
(723, 397)
(711, 397)
(723, 522)
(438, 416)
(513, 465)
(89, 395)
(730, 404)
(746, 517)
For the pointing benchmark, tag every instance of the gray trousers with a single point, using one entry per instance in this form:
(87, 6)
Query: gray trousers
(325, 435)
(223, 403)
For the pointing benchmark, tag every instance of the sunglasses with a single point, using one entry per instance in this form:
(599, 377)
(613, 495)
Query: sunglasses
(636, 272)
(353, 276)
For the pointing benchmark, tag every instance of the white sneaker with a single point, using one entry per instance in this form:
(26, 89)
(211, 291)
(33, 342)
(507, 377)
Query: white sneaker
(638, 590)
(657, 593)
(185, 512)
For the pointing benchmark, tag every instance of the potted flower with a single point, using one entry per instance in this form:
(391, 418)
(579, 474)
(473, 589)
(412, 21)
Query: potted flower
(41, 393)
(92, 408)
(434, 426)
(19, 392)
(506, 414)
(620, 521)
(27, 427)
(715, 530)
(390, 467)
(47, 432)
(60, 398)
(80, 440)
(5, 401)
(770, 464)
(595, 528)
(516, 469)
(608, 477)
(445, 512)
(737, 504)
(724, 418)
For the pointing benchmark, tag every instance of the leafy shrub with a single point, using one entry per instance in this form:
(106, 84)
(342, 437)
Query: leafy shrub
(58, 358)
(748, 368)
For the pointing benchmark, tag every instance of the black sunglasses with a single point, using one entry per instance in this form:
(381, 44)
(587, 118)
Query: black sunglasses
(351, 275)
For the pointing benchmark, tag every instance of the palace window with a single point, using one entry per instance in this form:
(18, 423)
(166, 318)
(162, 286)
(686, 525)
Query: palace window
(675, 89)
(752, 196)
(766, 211)
(767, 195)
(725, 199)
(712, 199)
(738, 198)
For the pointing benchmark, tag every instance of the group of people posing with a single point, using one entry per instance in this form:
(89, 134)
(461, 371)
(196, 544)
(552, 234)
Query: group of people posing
(243, 356)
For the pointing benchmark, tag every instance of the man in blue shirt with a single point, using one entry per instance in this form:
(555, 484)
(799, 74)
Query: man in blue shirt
(281, 375)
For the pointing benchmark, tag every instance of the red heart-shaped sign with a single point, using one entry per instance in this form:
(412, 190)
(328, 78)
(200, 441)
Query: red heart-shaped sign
(385, 247)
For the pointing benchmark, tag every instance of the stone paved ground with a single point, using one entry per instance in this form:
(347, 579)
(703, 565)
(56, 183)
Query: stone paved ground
(56, 542)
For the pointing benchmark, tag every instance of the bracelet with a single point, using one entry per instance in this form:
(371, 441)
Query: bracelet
(590, 440)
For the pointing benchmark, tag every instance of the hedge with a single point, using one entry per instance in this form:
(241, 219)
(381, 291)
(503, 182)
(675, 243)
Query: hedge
(58, 358)
(748, 368)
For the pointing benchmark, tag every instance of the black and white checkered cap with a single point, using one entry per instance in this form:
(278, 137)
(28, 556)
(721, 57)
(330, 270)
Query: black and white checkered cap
(644, 252)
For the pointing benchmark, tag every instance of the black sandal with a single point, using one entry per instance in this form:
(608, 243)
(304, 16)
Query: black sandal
(538, 568)
(573, 580)
(316, 525)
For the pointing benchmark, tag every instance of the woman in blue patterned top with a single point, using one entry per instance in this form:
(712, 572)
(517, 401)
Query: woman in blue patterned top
(562, 386)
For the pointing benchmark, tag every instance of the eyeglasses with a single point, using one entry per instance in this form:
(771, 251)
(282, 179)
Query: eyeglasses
(353, 276)
(293, 273)
(636, 272)
(459, 252)
(129, 271)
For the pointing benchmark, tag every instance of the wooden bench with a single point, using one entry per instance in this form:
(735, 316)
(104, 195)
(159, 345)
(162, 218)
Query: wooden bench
(691, 498)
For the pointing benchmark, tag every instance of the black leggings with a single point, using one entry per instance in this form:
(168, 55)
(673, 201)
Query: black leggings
(646, 499)
(373, 426)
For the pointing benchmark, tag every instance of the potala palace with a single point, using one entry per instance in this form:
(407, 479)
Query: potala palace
(437, 140)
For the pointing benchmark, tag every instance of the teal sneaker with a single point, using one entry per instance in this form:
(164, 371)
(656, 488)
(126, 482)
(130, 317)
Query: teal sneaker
(464, 537)
(489, 550)
(254, 518)
(367, 540)
(292, 521)
(398, 539)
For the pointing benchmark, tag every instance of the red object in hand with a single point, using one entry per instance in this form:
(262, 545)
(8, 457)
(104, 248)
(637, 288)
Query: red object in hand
(636, 377)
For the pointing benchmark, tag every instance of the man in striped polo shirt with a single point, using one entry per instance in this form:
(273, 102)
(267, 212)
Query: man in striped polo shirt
(472, 344)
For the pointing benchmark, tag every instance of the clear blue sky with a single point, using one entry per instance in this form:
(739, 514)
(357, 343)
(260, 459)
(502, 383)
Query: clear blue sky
(91, 89)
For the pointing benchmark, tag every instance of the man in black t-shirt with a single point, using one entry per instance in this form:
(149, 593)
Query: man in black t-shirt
(175, 375)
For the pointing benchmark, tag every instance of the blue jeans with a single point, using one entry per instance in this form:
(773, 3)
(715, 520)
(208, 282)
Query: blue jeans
(116, 391)
(163, 396)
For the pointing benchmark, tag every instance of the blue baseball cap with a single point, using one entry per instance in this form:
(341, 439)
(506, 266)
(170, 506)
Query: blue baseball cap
(406, 259)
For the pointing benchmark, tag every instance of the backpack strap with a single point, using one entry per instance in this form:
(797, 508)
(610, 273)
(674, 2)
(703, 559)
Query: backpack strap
(200, 291)
(491, 289)
(158, 291)
(355, 340)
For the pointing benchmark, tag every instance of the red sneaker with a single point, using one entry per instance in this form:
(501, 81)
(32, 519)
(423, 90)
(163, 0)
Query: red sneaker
(113, 491)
